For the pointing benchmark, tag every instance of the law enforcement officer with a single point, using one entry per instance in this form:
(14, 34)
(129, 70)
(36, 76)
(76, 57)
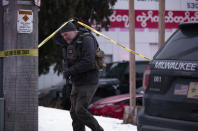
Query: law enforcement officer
(80, 58)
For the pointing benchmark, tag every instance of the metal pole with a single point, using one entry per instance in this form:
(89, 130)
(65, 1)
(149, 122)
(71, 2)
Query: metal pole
(132, 56)
(20, 72)
(161, 22)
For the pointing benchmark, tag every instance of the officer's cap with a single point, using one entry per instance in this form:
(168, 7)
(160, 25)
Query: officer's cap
(69, 27)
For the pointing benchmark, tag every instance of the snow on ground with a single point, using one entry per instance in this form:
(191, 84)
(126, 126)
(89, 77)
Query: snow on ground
(51, 119)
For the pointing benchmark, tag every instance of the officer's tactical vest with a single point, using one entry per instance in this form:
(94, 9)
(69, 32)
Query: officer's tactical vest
(74, 52)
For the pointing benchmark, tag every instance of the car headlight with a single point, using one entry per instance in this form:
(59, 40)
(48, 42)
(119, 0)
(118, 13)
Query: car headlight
(103, 105)
(100, 106)
(90, 106)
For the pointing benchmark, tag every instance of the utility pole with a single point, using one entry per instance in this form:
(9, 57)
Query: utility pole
(20, 73)
(132, 56)
(161, 22)
(1, 48)
(1, 71)
(130, 111)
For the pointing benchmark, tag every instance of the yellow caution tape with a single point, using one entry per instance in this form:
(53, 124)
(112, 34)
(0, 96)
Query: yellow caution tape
(29, 52)
(19, 52)
(49, 37)
(92, 29)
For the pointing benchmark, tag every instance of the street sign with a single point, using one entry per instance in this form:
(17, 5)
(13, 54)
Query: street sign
(25, 21)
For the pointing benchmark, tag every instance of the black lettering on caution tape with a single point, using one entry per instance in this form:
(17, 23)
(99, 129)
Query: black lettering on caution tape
(19, 52)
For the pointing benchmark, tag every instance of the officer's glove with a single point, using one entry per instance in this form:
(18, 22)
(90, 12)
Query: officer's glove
(66, 73)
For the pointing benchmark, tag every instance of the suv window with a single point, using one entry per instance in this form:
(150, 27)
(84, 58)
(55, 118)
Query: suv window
(183, 45)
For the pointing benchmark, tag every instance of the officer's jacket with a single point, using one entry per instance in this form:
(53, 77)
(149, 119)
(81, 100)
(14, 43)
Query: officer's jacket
(82, 66)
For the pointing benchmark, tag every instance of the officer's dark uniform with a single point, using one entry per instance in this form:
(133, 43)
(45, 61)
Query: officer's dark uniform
(80, 59)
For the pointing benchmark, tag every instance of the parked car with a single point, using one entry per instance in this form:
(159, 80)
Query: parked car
(51, 96)
(113, 106)
(171, 83)
(107, 87)
(120, 70)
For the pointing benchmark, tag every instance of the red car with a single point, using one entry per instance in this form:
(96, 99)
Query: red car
(113, 106)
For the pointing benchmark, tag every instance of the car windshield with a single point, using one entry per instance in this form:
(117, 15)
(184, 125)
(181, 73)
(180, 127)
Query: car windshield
(183, 45)
(116, 70)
